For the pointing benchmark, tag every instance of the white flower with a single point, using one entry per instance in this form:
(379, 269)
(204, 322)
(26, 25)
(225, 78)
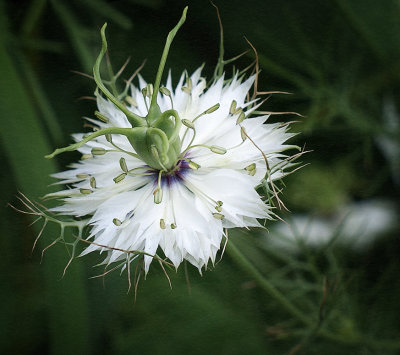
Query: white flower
(184, 208)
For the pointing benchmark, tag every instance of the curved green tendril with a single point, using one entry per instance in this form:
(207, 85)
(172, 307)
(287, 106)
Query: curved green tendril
(135, 120)
(102, 132)
(168, 42)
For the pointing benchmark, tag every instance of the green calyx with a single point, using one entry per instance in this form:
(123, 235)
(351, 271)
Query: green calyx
(155, 138)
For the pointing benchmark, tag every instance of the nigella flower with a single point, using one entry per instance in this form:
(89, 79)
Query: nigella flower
(171, 168)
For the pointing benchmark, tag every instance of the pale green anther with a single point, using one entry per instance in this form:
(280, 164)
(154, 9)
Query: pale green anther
(119, 178)
(187, 123)
(122, 164)
(218, 216)
(243, 133)
(220, 203)
(109, 137)
(144, 91)
(252, 172)
(241, 118)
(162, 224)
(158, 195)
(173, 226)
(85, 191)
(218, 150)
(82, 176)
(149, 90)
(218, 208)
(232, 109)
(117, 222)
(93, 182)
(101, 117)
(131, 101)
(251, 167)
(186, 89)
(193, 165)
(212, 109)
(86, 156)
(165, 91)
(98, 151)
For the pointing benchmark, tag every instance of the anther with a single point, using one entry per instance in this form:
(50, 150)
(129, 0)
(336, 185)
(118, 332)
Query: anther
(187, 123)
(218, 208)
(117, 222)
(232, 109)
(109, 137)
(188, 87)
(130, 100)
(162, 224)
(251, 169)
(218, 150)
(220, 203)
(119, 178)
(241, 118)
(149, 90)
(165, 91)
(158, 195)
(122, 164)
(101, 117)
(218, 216)
(212, 109)
(82, 176)
(193, 165)
(98, 151)
(85, 191)
(93, 182)
(243, 133)
(173, 226)
(86, 156)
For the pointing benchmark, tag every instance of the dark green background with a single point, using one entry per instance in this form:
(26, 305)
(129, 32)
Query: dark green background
(339, 58)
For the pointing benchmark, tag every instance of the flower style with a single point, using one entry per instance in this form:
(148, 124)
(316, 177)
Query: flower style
(172, 168)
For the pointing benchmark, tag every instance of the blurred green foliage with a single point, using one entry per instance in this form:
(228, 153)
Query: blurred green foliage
(340, 59)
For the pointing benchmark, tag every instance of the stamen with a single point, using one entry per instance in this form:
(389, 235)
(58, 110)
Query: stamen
(85, 191)
(241, 118)
(117, 222)
(232, 109)
(93, 182)
(86, 156)
(187, 123)
(218, 150)
(82, 176)
(166, 92)
(109, 137)
(243, 133)
(218, 216)
(173, 226)
(188, 87)
(122, 164)
(193, 165)
(131, 101)
(162, 222)
(98, 151)
(212, 109)
(158, 193)
(101, 117)
(119, 178)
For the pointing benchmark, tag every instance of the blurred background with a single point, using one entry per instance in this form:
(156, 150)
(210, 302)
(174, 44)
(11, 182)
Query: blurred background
(336, 260)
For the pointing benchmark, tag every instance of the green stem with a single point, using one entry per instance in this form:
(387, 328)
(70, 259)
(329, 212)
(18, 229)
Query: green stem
(164, 56)
(241, 260)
